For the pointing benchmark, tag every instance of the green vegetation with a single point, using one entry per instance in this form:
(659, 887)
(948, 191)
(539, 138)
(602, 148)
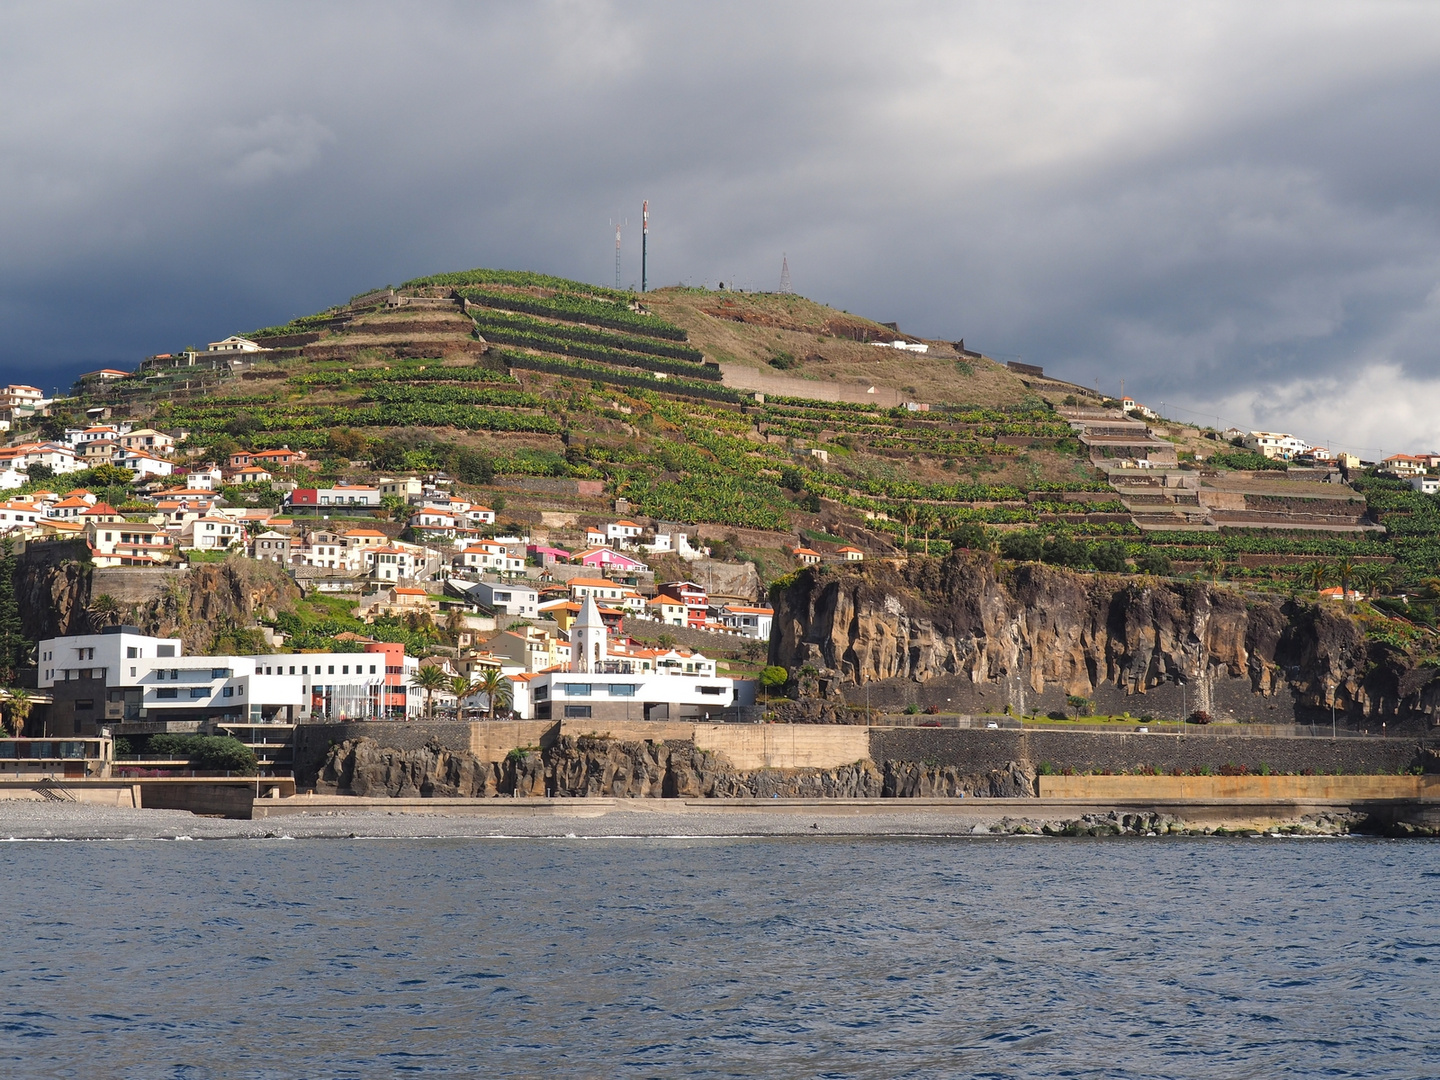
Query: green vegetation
(492, 324)
(520, 279)
(206, 753)
(577, 309)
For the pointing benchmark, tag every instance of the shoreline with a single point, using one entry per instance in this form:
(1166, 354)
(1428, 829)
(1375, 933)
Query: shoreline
(345, 818)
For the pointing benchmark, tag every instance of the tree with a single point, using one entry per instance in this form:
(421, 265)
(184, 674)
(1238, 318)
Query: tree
(1109, 556)
(1317, 574)
(104, 610)
(40, 472)
(462, 688)
(1344, 569)
(972, 535)
(1024, 546)
(1154, 561)
(13, 646)
(908, 516)
(17, 706)
(927, 518)
(429, 677)
(496, 688)
(773, 678)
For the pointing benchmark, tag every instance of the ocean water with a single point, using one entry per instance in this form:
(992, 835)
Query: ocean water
(721, 958)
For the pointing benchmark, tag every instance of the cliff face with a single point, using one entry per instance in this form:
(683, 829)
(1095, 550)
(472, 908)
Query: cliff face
(1036, 630)
(55, 586)
(592, 766)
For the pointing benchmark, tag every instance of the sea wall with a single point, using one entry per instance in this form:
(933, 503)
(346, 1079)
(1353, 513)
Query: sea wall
(1330, 788)
(653, 760)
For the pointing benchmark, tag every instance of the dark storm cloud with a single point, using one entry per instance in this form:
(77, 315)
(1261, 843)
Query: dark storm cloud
(1231, 207)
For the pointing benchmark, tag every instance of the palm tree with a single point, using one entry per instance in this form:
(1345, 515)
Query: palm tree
(17, 708)
(462, 688)
(927, 518)
(104, 610)
(1215, 563)
(908, 516)
(1317, 574)
(429, 678)
(495, 687)
(1345, 571)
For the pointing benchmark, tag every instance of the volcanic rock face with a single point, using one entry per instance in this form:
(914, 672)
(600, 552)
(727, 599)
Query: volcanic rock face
(592, 766)
(1035, 627)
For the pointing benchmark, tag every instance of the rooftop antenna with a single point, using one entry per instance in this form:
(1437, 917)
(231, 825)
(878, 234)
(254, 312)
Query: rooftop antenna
(618, 226)
(785, 274)
(644, 239)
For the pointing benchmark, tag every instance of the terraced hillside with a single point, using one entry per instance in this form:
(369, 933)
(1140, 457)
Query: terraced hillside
(529, 384)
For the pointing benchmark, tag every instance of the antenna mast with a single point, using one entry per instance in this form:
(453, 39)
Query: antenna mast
(644, 239)
(618, 225)
(785, 274)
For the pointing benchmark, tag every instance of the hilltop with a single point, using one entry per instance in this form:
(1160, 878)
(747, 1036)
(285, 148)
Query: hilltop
(767, 420)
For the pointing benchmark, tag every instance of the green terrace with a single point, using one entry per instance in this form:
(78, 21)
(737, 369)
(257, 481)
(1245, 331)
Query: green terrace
(573, 309)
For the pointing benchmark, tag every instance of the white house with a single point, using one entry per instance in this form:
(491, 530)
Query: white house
(1426, 485)
(143, 463)
(521, 601)
(1275, 444)
(622, 531)
(210, 533)
(235, 343)
(753, 622)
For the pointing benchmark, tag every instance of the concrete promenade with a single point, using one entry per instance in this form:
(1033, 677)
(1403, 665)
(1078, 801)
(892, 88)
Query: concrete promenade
(939, 816)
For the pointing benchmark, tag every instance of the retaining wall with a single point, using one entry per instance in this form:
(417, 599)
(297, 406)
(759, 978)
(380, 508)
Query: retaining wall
(1335, 788)
(982, 750)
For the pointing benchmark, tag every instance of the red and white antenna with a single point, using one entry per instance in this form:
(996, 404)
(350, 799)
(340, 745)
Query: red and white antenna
(644, 240)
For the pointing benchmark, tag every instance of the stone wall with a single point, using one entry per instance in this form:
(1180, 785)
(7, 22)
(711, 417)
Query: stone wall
(980, 750)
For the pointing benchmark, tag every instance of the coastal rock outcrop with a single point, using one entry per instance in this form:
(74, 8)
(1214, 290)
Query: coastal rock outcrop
(1029, 629)
(365, 768)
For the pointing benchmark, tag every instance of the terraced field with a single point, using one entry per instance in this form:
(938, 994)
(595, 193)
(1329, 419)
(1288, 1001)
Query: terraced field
(524, 375)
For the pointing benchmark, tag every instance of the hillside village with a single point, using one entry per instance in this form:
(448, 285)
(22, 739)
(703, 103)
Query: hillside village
(478, 467)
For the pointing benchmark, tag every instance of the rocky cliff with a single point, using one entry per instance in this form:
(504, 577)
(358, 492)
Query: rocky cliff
(56, 586)
(983, 634)
(587, 766)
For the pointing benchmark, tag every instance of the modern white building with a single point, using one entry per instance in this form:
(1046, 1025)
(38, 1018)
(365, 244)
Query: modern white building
(121, 675)
(604, 685)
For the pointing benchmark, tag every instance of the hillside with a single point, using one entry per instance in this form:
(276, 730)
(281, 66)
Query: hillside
(525, 386)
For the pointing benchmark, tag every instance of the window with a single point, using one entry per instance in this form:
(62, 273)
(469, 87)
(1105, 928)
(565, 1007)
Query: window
(304, 669)
(332, 669)
(712, 689)
(577, 712)
(166, 692)
(199, 692)
(372, 669)
(220, 673)
(84, 704)
(292, 669)
(575, 689)
(132, 653)
(165, 650)
(542, 693)
(621, 689)
(345, 670)
(229, 692)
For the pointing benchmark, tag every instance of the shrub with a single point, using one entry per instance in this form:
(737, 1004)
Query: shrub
(911, 709)
(208, 753)
(1023, 546)
(1153, 561)
(1199, 716)
(931, 710)
(1109, 556)
(1081, 705)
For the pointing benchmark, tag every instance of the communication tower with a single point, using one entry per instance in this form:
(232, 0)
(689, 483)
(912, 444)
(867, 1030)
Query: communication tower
(785, 274)
(644, 239)
(618, 226)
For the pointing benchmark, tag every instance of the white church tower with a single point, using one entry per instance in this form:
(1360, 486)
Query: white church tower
(589, 643)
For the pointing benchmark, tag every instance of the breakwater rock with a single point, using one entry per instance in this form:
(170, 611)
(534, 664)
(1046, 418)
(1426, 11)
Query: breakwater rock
(973, 634)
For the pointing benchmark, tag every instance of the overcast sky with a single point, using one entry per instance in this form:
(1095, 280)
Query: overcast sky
(1234, 208)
